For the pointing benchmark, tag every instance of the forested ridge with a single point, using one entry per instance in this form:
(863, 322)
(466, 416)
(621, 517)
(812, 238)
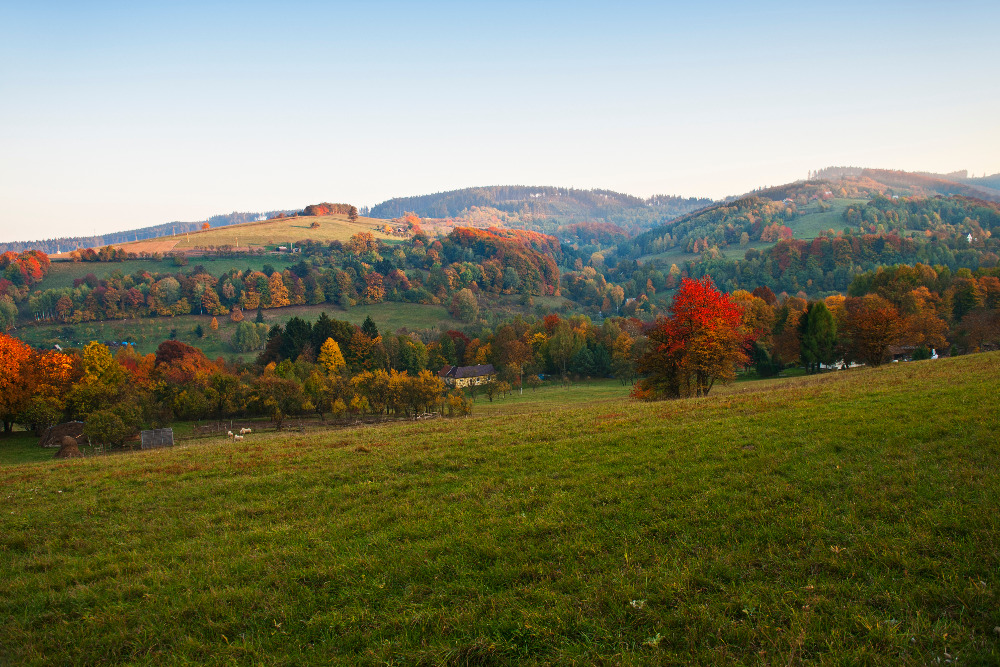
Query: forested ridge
(534, 201)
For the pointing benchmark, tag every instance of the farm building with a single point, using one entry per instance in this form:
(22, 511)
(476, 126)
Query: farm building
(463, 376)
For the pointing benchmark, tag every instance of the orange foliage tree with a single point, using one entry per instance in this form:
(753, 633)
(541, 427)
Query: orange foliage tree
(871, 326)
(14, 390)
(702, 341)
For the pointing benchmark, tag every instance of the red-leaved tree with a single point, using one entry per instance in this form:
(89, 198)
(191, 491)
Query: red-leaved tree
(700, 342)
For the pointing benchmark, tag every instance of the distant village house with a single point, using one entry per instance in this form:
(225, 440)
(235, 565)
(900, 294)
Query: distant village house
(464, 376)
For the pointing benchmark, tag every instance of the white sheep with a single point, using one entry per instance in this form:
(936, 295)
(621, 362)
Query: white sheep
(244, 431)
(237, 438)
(229, 434)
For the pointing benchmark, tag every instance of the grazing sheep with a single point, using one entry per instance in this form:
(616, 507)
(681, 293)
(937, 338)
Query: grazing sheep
(237, 438)
(229, 434)
(245, 431)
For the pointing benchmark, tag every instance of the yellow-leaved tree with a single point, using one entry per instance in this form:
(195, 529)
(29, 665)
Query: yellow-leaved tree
(330, 357)
(279, 293)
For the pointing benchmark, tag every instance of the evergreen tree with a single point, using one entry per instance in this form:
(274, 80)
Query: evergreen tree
(369, 329)
(298, 334)
(817, 336)
(321, 330)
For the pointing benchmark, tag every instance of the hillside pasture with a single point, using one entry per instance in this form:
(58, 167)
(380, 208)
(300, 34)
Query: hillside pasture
(148, 333)
(62, 274)
(848, 518)
(814, 222)
(807, 226)
(270, 233)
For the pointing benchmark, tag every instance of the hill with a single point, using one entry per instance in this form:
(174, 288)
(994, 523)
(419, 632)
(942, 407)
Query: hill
(65, 244)
(825, 519)
(541, 208)
(259, 235)
(918, 183)
(762, 238)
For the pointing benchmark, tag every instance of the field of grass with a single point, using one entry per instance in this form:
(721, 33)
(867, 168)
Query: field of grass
(551, 397)
(62, 274)
(148, 333)
(281, 231)
(22, 447)
(816, 222)
(808, 226)
(849, 518)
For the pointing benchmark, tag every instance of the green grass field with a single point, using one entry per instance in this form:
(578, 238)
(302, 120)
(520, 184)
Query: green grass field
(849, 518)
(22, 447)
(815, 222)
(281, 231)
(808, 226)
(62, 274)
(150, 332)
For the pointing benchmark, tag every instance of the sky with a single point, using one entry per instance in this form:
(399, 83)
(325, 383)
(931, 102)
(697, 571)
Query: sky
(115, 116)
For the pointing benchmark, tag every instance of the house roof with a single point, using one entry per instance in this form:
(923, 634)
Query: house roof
(470, 371)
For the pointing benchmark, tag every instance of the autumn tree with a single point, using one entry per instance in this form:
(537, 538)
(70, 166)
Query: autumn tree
(871, 326)
(464, 305)
(108, 388)
(279, 293)
(701, 341)
(14, 391)
(49, 375)
(921, 323)
(330, 357)
(622, 360)
(277, 398)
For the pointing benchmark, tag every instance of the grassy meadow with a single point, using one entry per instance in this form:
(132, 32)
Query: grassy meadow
(846, 518)
(148, 333)
(281, 231)
(62, 274)
(808, 226)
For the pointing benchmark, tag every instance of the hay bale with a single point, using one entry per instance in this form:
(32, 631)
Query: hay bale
(69, 449)
(53, 435)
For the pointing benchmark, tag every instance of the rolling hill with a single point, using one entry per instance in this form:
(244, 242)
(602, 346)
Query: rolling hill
(542, 208)
(65, 244)
(258, 235)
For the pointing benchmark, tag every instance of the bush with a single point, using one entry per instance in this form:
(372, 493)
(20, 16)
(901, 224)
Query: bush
(106, 427)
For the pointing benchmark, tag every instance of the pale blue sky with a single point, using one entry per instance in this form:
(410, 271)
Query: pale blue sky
(115, 116)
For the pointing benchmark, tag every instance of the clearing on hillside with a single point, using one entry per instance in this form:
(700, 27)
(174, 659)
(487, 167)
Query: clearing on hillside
(266, 233)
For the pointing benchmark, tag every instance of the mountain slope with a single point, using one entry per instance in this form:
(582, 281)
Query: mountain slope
(65, 244)
(565, 204)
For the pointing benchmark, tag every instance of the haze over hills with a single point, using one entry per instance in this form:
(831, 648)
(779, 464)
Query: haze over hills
(547, 208)
(562, 204)
(64, 244)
